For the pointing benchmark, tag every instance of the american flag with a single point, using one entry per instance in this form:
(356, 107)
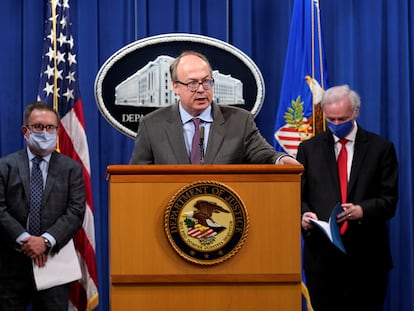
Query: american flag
(196, 233)
(59, 87)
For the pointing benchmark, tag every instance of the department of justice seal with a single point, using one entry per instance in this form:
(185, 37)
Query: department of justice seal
(206, 222)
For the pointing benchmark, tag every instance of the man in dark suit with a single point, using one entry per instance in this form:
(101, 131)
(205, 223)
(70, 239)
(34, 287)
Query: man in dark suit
(230, 134)
(356, 280)
(62, 210)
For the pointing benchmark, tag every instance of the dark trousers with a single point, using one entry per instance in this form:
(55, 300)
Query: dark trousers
(17, 294)
(356, 291)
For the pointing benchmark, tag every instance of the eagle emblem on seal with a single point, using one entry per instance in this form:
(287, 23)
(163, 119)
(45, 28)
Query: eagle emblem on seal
(200, 222)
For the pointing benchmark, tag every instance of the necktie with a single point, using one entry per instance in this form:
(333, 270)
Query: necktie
(343, 176)
(195, 154)
(36, 191)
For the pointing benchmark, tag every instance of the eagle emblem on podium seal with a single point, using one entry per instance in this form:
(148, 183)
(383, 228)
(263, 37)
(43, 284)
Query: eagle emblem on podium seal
(206, 222)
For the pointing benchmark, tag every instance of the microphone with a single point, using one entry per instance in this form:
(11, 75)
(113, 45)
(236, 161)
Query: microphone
(201, 144)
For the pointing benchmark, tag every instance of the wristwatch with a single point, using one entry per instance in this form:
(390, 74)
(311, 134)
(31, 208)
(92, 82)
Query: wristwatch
(48, 245)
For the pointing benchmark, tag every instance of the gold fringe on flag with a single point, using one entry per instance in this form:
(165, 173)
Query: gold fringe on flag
(305, 294)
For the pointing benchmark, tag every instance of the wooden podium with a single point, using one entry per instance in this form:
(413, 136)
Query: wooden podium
(148, 274)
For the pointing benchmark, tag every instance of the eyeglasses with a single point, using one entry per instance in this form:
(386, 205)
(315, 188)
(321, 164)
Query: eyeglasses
(193, 86)
(40, 127)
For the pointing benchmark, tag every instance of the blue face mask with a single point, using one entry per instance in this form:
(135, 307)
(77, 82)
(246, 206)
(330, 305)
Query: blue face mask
(42, 141)
(340, 130)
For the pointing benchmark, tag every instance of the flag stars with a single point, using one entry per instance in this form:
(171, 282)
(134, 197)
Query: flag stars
(50, 54)
(49, 72)
(51, 36)
(69, 94)
(63, 22)
(71, 77)
(48, 89)
(51, 19)
(59, 75)
(60, 57)
(71, 58)
(61, 39)
(70, 42)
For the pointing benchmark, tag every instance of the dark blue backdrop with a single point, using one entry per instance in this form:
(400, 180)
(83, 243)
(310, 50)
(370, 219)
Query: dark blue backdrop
(369, 45)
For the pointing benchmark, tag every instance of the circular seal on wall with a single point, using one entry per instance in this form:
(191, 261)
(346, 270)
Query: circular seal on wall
(135, 80)
(206, 222)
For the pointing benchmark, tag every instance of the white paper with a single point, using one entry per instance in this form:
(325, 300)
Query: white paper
(61, 268)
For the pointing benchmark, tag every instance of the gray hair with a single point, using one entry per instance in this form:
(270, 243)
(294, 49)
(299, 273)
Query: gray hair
(336, 93)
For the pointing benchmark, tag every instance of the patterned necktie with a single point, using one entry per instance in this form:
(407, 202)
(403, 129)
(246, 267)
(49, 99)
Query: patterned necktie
(195, 154)
(36, 191)
(343, 176)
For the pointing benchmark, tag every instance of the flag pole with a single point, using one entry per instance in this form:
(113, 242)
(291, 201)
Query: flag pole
(316, 109)
(313, 64)
(321, 58)
(55, 86)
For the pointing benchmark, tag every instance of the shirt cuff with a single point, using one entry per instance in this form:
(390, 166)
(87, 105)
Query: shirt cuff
(21, 237)
(280, 157)
(51, 239)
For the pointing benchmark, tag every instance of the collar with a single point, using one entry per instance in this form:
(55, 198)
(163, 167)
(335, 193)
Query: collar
(31, 155)
(205, 116)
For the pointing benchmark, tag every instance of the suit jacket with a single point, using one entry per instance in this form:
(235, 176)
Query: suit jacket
(233, 139)
(62, 210)
(373, 184)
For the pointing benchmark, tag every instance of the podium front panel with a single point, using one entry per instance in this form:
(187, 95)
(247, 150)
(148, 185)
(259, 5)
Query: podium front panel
(146, 270)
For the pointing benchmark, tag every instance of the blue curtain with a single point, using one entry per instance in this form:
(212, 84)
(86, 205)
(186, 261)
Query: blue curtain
(369, 45)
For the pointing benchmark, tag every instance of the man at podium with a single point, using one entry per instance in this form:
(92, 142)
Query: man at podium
(197, 130)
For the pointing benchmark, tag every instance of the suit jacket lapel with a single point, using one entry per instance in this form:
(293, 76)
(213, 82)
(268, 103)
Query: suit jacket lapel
(216, 135)
(360, 150)
(51, 175)
(330, 160)
(23, 165)
(174, 132)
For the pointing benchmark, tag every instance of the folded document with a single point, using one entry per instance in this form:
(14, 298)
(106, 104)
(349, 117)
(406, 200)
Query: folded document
(331, 228)
(61, 268)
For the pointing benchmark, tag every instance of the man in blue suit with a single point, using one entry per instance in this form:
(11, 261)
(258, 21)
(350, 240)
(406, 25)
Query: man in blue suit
(230, 134)
(62, 208)
(356, 280)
